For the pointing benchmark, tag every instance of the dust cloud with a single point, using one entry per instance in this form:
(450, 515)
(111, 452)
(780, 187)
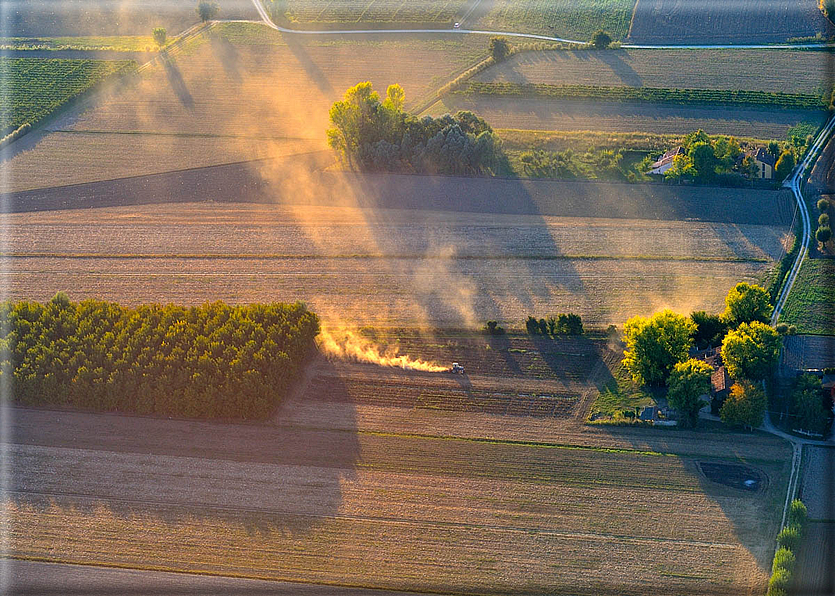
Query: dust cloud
(349, 345)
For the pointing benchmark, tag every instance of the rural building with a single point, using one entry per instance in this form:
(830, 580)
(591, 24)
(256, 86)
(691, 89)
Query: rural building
(665, 162)
(806, 353)
(765, 162)
(648, 413)
(720, 389)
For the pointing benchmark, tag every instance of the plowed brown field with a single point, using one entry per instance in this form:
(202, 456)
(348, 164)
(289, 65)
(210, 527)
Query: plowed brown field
(734, 21)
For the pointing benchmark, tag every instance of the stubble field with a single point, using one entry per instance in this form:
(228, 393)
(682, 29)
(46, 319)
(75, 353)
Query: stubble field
(219, 101)
(396, 267)
(741, 21)
(756, 70)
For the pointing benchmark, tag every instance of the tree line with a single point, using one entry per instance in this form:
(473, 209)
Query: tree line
(210, 361)
(374, 135)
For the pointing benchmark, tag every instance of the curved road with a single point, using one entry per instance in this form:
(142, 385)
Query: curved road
(268, 21)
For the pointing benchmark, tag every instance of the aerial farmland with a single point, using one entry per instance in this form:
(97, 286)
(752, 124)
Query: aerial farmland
(342, 297)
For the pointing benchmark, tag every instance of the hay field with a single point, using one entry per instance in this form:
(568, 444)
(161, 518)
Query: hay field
(187, 112)
(441, 12)
(389, 510)
(755, 70)
(396, 267)
(578, 115)
(740, 21)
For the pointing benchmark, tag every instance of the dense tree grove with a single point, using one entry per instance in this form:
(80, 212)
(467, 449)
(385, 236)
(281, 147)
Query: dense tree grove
(378, 135)
(211, 361)
(808, 404)
(689, 381)
(745, 406)
(746, 303)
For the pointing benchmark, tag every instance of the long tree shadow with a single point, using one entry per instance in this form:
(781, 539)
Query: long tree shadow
(265, 478)
(615, 60)
(176, 81)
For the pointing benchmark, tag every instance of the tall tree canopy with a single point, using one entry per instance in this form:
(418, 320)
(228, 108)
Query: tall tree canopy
(745, 406)
(655, 345)
(689, 381)
(750, 351)
(746, 303)
(370, 134)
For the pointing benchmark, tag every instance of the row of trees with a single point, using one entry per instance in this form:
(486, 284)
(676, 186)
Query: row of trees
(211, 361)
(824, 232)
(371, 134)
(788, 541)
(562, 324)
(658, 347)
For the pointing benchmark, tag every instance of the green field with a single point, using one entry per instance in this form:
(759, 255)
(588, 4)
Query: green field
(109, 43)
(39, 87)
(572, 19)
(650, 94)
(811, 304)
(366, 11)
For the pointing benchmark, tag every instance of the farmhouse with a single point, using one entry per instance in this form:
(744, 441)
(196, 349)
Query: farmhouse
(720, 389)
(665, 162)
(764, 161)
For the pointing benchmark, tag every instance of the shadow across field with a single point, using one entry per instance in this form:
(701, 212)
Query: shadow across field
(260, 477)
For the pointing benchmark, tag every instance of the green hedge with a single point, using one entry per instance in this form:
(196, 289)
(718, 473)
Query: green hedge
(651, 94)
(211, 361)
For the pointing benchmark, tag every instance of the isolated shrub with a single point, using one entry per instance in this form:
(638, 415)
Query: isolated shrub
(493, 328)
(783, 559)
(798, 514)
(499, 48)
(823, 220)
(792, 329)
(789, 537)
(532, 326)
(785, 165)
(568, 324)
(782, 328)
(601, 39)
(159, 36)
(207, 10)
(824, 234)
(823, 205)
(543, 327)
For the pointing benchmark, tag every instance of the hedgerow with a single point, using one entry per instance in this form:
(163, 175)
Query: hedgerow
(210, 361)
(652, 94)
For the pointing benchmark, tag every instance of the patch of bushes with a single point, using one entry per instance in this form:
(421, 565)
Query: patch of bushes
(493, 328)
(210, 361)
(562, 324)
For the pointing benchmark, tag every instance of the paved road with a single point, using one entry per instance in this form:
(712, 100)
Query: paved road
(24, 578)
(266, 19)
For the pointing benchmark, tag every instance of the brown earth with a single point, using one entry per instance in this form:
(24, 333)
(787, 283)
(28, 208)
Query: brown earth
(737, 21)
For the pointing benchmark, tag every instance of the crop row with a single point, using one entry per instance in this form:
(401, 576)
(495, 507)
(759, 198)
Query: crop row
(39, 87)
(401, 394)
(651, 94)
(370, 11)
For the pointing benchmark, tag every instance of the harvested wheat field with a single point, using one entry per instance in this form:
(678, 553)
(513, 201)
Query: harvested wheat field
(574, 115)
(328, 497)
(757, 70)
(398, 266)
(238, 92)
(734, 21)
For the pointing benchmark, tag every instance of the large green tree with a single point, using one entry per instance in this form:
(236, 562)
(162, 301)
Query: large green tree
(656, 344)
(785, 165)
(207, 10)
(745, 406)
(750, 351)
(689, 381)
(746, 303)
(710, 329)
(704, 160)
